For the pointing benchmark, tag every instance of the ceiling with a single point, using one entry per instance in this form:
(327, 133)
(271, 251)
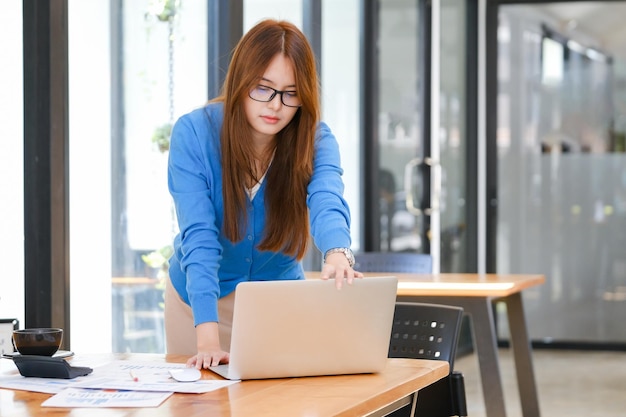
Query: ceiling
(601, 20)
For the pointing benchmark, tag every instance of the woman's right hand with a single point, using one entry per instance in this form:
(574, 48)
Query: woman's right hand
(207, 359)
(209, 351)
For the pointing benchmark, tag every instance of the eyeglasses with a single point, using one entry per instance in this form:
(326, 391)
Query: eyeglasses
(266, 94)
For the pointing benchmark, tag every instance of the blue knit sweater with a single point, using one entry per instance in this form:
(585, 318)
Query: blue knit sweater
(205, 265)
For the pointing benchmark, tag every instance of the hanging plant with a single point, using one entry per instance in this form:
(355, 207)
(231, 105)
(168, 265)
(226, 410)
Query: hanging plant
(164, 10)
(161, 137)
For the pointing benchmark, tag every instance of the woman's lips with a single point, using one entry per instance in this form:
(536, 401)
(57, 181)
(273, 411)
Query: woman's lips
(270, 119)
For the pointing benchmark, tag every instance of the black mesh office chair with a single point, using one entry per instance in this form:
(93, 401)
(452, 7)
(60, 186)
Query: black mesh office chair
(430, 331)
(446, 397)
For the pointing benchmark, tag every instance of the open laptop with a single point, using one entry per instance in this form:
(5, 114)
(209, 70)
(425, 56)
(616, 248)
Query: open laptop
(308, 327)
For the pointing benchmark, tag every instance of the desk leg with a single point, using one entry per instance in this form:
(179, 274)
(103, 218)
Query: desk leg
(414, 404)
(485, 340)
(522, 354)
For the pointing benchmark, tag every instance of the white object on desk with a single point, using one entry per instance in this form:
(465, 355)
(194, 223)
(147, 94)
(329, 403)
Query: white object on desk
(185, 374)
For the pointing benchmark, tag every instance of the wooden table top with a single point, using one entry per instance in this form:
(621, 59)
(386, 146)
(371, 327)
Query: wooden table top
(456, 284)
(344, 395)
(466, 285)
(444, 284)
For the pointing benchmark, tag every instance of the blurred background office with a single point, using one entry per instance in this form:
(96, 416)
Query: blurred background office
(489, 134)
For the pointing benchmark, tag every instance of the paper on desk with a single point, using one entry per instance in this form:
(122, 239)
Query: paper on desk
(197, 387)
(45, 385)
(76, 397)
(151, 376)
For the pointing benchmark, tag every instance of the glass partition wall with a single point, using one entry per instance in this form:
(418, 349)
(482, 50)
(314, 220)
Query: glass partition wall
(401, 132)
(455, 203)
(562, 177)
(422, 173)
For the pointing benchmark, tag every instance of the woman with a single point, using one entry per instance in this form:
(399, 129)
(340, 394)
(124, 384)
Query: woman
(252, 174)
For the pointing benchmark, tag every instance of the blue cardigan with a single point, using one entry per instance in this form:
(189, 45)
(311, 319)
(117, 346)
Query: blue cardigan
(206, 265)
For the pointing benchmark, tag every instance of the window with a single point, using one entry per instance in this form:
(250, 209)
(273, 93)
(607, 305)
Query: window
(11, 160)
(142, 68)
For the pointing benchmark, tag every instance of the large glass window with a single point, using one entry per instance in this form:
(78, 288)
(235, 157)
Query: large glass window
(339, 79)
(340, 95)
(256, 10)
(90, 175)
(145, 65)
(11, 161)
(401, 127)
(453, 136)
(163, 76)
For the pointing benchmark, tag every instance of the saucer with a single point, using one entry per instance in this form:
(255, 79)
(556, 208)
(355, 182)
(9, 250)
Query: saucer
(58, 354)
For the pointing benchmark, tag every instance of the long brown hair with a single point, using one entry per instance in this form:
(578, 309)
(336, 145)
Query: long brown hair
(287, 224)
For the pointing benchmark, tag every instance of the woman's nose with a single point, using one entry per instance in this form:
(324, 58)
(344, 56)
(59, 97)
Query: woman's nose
(276, 102)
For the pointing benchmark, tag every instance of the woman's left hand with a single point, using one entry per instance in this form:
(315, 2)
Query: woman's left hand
(337, 266)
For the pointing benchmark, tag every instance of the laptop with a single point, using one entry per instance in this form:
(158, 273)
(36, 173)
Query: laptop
(308, 328)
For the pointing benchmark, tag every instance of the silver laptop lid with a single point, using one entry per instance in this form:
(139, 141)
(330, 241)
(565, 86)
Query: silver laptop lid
(308, 327)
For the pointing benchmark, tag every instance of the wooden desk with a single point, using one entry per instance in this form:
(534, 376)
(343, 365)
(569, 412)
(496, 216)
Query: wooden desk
(345, 395)
(476, 293)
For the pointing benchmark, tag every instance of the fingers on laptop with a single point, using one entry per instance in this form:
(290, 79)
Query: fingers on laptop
(206, 360)
(338, 273)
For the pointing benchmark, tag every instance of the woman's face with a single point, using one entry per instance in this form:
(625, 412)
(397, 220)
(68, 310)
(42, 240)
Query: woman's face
(270, 117)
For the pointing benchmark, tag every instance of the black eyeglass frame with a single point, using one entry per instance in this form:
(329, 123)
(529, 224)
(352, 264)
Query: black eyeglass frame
(271, 97)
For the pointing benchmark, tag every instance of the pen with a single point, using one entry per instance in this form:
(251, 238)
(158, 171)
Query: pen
(134, 377)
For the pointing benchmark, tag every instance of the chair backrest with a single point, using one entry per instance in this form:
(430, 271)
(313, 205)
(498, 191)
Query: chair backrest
(425, 331)
(393, 262)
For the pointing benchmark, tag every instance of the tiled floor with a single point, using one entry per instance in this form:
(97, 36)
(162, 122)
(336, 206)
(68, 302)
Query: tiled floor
(570, 383)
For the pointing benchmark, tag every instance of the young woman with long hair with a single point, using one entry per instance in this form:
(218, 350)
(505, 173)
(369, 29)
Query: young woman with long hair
(253, 175)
